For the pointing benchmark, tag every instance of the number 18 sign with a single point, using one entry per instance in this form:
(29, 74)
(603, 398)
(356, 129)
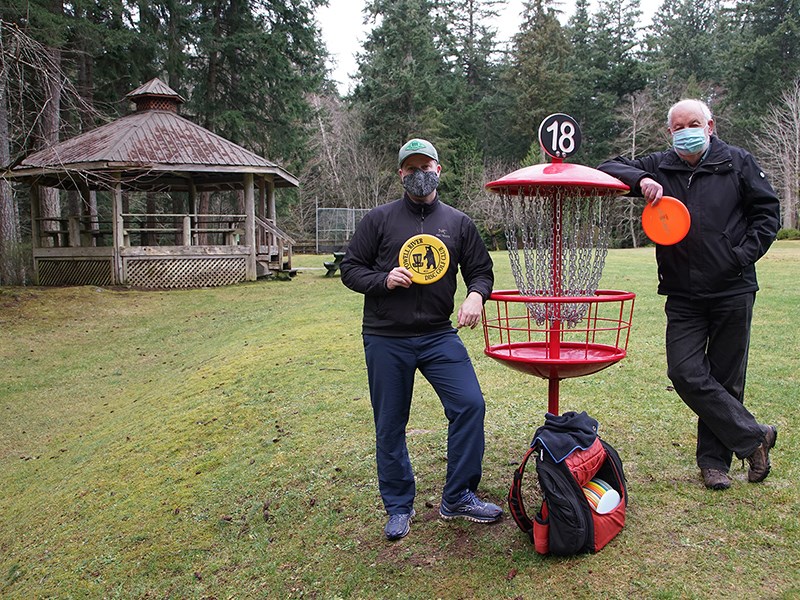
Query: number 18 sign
(560, 135)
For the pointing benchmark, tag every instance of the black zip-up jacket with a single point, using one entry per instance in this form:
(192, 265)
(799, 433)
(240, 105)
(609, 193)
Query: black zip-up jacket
(375, 250)
(735, 217)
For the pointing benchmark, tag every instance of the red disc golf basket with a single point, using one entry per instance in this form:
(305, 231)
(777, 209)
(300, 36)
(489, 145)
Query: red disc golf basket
(557, 324)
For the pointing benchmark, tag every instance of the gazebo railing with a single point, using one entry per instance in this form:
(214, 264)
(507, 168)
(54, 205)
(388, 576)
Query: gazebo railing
(187, 229)
(73, 232)
(142, 229)
(273, 242)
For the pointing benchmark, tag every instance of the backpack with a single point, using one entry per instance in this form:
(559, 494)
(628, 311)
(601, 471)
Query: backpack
(570, 455)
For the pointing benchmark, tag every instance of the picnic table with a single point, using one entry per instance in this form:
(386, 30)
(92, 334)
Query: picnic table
(333, 266)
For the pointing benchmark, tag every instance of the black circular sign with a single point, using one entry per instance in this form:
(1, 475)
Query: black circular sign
(560, 135)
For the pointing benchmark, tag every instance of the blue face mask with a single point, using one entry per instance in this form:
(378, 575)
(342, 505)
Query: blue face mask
(690, 140)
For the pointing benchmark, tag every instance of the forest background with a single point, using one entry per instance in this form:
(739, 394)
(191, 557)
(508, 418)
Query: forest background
(255, 73)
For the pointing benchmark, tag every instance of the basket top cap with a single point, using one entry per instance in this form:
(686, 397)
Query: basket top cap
(558, 175)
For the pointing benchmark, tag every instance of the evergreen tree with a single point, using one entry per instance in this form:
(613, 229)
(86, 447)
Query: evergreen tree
(536, 77)
(762, 61)
(403, 74)
(473, 46)
(254, 64)
(471, 43)
(116, 52)
(614, 57)
(682, 42)
(588, 103)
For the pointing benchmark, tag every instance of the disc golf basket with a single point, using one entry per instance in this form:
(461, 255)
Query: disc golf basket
(557, 324)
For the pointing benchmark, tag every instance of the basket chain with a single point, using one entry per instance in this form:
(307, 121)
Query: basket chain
(564, 245)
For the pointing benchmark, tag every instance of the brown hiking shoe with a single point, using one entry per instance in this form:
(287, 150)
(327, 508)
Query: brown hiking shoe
(759, 459)
(715, 479)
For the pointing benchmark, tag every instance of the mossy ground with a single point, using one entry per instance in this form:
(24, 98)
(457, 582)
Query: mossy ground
(218, 443)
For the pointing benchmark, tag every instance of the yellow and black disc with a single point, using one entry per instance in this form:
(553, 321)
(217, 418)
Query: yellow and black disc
(426, 257)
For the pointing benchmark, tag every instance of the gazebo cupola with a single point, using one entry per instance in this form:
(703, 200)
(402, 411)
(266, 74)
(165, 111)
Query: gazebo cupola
(155, 95)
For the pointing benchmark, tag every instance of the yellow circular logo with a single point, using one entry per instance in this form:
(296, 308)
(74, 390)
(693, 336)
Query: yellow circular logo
(426, 257)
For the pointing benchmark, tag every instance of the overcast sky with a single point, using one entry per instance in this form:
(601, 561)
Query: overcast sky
(344, 32)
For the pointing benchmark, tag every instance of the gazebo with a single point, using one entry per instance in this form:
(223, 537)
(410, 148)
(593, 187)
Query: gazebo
(174, 163)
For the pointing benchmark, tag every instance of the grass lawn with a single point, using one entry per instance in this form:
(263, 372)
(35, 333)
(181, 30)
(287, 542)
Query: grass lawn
(218, 443)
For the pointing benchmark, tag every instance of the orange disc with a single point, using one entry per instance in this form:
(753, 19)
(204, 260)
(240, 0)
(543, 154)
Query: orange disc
(667, 222)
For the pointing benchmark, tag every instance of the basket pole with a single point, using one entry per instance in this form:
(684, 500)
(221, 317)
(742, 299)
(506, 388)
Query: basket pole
(552, 395)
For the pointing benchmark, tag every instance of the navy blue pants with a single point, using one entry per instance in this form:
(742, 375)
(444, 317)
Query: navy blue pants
(707, 347)
(443, 360)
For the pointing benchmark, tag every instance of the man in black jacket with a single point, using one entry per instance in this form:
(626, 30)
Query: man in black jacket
(404, 258)
(709, 279)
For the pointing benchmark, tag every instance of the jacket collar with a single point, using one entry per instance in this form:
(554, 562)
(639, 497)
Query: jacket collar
(418, 208)
(718, 152)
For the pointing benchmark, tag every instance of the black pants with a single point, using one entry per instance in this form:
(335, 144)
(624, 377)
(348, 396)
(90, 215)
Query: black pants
(707, 347)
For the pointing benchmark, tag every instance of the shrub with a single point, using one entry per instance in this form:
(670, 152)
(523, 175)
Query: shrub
(789, 234)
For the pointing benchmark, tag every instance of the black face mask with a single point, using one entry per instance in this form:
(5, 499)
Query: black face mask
(421, 183)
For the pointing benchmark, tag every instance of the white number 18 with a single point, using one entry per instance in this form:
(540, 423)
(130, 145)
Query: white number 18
(565, 142)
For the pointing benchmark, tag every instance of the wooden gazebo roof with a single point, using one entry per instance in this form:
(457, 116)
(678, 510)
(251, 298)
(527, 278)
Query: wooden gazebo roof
(151, 148)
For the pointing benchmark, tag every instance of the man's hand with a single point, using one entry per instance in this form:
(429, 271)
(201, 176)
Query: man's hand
(469, 314)
(398, 277)
(651, 190)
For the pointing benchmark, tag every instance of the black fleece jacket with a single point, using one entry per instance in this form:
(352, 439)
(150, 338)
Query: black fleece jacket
(375, 250)
(735, 218)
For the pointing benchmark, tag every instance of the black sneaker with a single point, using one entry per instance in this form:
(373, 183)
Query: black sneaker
(398, 526)
(715, 479)
(470, 507)
(759, 460)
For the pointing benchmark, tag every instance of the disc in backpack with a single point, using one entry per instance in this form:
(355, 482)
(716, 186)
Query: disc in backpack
(601, 496)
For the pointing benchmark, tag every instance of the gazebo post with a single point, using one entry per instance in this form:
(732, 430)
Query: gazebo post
(35, 223)
(250, 226)
(261, 209)
(118, 226)
(193, 209)
(35, 228)
(85, 210)
(273, 213)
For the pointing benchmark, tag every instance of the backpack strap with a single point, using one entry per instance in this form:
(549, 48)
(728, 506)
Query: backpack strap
(515, 504)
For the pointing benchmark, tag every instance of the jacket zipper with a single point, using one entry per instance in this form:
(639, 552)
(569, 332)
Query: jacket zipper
(418, 306)
(706, 169)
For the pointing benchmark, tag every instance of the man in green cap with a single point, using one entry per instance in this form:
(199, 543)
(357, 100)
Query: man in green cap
(407, 327)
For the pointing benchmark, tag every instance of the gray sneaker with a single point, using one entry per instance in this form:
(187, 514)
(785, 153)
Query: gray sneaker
(398, 526)
(470, 507)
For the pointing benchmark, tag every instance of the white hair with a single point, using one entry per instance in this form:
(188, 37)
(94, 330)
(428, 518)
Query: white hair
(697, 103)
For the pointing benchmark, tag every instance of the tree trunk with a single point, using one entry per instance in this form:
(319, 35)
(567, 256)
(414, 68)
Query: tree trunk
(11, 268)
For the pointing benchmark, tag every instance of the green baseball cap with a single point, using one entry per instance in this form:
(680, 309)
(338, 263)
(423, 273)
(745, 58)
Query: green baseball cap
(417, 146)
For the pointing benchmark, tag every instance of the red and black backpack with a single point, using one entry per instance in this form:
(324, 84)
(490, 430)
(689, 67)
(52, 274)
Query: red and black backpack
(569, 454)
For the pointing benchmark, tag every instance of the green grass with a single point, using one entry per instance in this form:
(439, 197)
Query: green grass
(219, 443)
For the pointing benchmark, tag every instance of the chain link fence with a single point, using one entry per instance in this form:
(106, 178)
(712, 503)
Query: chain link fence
(335, 227)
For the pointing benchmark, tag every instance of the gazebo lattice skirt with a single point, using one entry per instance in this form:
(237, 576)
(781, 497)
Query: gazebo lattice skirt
(185, 272)
(59, 271)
